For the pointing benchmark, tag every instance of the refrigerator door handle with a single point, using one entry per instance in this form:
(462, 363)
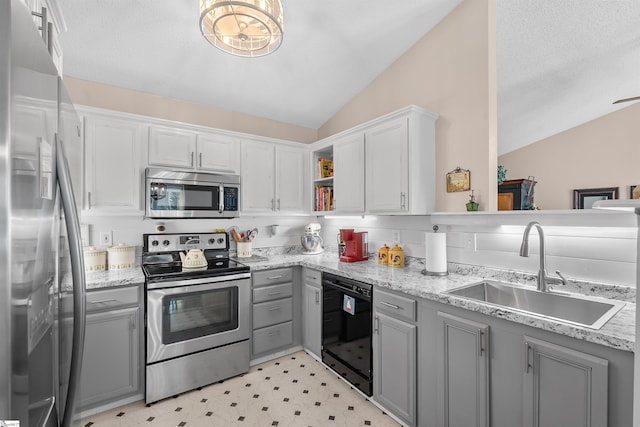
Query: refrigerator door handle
(77, 272)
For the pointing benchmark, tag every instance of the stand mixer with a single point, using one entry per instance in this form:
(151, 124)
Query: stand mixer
(311, 241)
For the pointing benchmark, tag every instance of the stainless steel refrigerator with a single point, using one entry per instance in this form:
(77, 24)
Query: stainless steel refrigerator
(40, 249)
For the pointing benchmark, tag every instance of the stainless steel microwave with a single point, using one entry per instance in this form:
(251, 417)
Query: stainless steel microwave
(178, 194)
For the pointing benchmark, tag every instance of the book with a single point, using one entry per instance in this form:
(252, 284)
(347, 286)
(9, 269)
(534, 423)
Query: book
(325, 168)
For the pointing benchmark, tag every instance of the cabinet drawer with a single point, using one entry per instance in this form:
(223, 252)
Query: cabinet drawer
(395, 305)
(106, 299)
(312, 277)
(269, 293)
(272, 277)
(270, 313)
(270, 338)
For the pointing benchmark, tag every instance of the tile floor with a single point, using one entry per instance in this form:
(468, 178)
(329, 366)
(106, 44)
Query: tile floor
(294, 390)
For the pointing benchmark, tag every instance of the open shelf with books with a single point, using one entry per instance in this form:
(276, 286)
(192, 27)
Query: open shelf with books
(323, 179)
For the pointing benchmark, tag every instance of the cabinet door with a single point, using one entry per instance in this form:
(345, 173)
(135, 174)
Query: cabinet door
(290, 179)
(257, 178)
(394, 364)
(110, 366)
(312, 318)
(348, 170)
(218, 153)
(112, 172)
(171, 147)
(563, 387)
(463, 380)
(387, 168)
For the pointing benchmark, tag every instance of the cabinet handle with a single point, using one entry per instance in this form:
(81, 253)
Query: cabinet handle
(403, 200)
(527, 365)
(200, 160)
(274, 277)
(102, 301)
(395, 307)
(274, 293)
(275, 308)
(192, 154)
(43, 24)
(271, 334)
(78, 129)
(134, 323)
(273, 204)
(89, 199)
(480, 343)
(376, 325)
(317, 297)
(278, 204)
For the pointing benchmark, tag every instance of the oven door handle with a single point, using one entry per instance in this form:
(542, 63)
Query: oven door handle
(332, 285)
(192, 288)
(217, 280)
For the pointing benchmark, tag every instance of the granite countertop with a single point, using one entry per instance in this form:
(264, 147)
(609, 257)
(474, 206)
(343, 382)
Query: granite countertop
(618, 333)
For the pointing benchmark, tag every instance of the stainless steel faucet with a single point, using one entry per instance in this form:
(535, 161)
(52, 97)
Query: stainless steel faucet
(543, 277)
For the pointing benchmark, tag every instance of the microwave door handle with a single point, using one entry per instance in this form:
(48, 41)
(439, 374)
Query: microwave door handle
(221, 198)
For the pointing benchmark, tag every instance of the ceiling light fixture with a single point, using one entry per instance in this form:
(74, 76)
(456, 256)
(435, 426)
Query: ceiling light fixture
(242, 27)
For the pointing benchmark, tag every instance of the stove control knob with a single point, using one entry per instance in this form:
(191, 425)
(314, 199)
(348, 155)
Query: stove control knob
(221, 240)
(155, 243)
(165, 243)
(212, 241)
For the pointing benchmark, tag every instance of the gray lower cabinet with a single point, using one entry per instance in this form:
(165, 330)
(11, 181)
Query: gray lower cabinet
(312, 311)
(463, 377)
(111, 365)
(276, 311)
(563, 387)
(479, 370)
(394, 345)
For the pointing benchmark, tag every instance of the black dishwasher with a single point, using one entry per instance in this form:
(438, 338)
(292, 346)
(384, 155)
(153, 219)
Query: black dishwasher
(346, 330)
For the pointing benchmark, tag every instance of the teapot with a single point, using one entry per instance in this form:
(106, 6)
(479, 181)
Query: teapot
(194, 259)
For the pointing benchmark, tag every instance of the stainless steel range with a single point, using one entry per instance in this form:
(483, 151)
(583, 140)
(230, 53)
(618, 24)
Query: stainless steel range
(197, 312)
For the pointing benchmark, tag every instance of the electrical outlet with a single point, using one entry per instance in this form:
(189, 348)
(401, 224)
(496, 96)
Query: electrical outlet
(106, 238)
(396, 236)
(469, 241)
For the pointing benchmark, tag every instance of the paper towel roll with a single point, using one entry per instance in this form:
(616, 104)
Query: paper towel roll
(436, 253)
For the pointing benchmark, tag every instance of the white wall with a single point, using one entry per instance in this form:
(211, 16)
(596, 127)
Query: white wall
(590, 246)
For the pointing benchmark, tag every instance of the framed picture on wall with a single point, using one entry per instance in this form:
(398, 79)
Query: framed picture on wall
(458, 180)
(634, 192)
(584, 198)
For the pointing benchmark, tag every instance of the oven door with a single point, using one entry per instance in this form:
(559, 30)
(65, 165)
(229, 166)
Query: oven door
(197, 315)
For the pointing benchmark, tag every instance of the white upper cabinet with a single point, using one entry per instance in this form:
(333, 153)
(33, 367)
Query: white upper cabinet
(112, 165)
(171, 147)
(272, 178)
(387, 172)
(384, 166)
(400, 163)
(218, 153)
(290, 179)
(348, 174)
(205, 151)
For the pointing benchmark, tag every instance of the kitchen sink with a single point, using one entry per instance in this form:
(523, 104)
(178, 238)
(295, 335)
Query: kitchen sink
(583, 311)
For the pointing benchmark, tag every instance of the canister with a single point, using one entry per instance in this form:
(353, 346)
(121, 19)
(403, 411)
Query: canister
(122, 257)
(396, 256)
(95, 259)
(383, 255)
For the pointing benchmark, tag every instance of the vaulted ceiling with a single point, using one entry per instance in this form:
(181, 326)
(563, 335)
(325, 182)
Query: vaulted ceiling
(560, 63)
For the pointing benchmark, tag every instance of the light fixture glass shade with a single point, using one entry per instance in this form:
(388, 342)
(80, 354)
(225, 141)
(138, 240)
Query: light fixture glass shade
(243, 28)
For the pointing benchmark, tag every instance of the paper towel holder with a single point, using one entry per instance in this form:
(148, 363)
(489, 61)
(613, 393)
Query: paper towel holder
(434, 273)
